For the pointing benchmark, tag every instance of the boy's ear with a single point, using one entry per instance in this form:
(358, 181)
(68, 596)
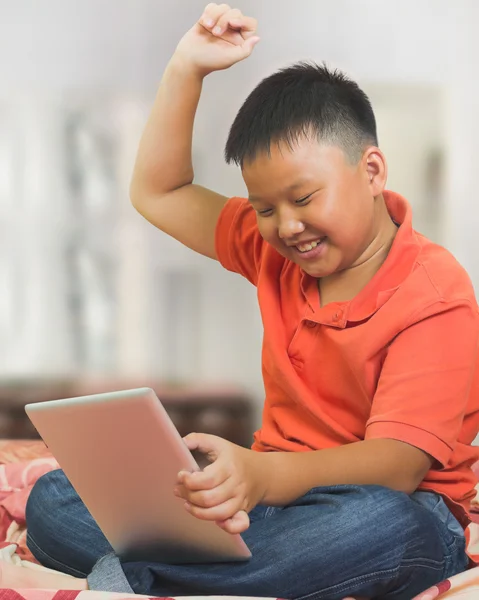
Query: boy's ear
(376, 170)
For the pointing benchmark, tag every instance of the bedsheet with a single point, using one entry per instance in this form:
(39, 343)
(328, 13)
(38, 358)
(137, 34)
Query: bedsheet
(23, 462)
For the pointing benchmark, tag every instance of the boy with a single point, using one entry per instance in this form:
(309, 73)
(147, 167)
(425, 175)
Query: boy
(359, 479)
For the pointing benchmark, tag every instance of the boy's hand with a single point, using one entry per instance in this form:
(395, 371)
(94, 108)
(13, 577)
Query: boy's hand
(227, 489)
(221, 38)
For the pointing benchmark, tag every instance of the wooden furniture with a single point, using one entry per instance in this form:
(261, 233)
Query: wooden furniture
(222, 411)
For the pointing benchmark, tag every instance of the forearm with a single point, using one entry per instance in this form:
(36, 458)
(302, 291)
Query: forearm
(287, 476)
(164, 161)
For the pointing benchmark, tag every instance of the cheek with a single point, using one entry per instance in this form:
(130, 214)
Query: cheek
(348, 211)
(356, 224)
(328, 212)
(267, 230)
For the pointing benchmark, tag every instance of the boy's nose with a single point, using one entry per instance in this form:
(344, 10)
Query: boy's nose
(289, 229)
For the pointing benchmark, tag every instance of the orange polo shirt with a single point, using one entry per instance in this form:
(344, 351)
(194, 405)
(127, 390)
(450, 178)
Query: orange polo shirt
(398, 361)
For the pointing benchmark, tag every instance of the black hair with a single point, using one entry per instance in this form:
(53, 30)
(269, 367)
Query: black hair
(305, 99)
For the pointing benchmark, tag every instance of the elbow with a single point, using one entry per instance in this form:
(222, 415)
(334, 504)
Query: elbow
(402, 466)
(135, 196)
(408, 487)
(141, 188)
(139, 196)
(136, 191)
(407, 482)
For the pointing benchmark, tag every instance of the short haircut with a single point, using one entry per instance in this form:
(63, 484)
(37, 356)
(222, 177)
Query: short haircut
(303, 100)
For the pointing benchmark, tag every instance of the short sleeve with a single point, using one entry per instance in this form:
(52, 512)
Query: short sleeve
(239, 245)
(424, 390)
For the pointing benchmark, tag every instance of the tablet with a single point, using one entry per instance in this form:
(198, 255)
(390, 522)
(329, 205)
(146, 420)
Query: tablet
(122, 454)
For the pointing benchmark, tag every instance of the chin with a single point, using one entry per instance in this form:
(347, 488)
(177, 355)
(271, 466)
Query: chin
(317, 274)
(317, 271)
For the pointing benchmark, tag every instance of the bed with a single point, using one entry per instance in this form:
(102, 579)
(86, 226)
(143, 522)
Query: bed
(23, 462)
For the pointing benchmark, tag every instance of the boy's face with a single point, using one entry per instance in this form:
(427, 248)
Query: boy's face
(313, 206)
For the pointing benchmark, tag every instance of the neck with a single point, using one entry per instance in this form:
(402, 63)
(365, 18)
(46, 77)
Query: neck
(345, 285)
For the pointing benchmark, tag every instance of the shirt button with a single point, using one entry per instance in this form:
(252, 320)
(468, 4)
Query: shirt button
(337, 315)
(310, 324)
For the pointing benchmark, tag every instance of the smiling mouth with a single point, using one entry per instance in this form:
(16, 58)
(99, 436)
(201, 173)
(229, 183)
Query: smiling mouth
(303, 248)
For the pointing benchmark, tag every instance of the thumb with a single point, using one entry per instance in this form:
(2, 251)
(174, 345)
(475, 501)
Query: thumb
(238, 523)
(249, 44)
(204, 443)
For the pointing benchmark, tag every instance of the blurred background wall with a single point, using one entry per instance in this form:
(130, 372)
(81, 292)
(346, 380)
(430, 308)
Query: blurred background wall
(88, 289)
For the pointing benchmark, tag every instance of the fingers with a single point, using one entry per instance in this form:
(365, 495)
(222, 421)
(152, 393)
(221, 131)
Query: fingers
(249, 44)
(218, 493)
(207, 497)
(238, 523)
(217, 18)
(220, 503)
(212, 13)
(235, 20)
(211, 445)
(220, 512)
(212, 476)
(224, 20)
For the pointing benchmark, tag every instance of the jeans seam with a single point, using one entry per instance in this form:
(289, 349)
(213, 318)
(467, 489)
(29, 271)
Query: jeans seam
(377, 576)
(423, 562)
(270, 511)
(39, 554)
(339, 587)
(455, 545)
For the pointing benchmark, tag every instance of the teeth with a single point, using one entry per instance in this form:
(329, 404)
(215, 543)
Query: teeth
(307, 247)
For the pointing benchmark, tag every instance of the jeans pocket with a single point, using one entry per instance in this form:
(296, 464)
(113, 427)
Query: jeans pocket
(457, 560)
(450, 531)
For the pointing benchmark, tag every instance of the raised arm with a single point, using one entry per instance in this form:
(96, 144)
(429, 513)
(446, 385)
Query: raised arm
(162, 188)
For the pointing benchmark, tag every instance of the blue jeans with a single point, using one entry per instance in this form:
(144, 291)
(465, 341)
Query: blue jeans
(333, 542)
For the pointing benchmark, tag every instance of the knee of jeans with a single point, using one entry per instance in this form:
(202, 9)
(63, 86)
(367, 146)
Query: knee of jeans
(386, 511)
(46, 495)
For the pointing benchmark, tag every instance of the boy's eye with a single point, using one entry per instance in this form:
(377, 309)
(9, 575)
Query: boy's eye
(303, 200)
(265, 212)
